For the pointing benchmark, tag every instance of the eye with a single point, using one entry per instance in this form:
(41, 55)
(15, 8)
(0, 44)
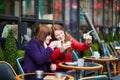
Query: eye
(62, 33)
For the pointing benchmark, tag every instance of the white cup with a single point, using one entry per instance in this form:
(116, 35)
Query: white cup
(59, 75)
(59, 44)
(80, 62)
(96, 54)
(39, 73)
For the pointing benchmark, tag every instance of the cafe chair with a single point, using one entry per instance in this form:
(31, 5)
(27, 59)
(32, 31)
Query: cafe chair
(74, 56)
(20, 64)
(6, 71)
(98, 77)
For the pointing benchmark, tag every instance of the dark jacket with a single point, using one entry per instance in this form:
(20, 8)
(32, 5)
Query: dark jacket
(37, 57)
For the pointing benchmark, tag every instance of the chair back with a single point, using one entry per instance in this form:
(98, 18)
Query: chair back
(20, 64)
(7, 72)
(113, 48)
(98, 77)
(74, 56)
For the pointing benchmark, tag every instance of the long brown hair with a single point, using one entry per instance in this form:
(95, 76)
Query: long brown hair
(67, 36)
(59, 27)
(42, 32)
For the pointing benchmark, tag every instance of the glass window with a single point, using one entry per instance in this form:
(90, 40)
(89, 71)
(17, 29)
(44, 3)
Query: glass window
(110, 13)
(67, 15)
(114, 12)
(5, 26)
(98, 12)
(86, 7)
(9, 7)
(118, 10)
(46, 9)
(58, 10)
(106, 13)
(73, 18)
(27, 37)
(28, 8)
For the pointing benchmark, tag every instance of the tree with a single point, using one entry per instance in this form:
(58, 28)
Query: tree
(1, 54)
(10, 52)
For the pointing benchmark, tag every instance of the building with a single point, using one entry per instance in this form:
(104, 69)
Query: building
(70, 13)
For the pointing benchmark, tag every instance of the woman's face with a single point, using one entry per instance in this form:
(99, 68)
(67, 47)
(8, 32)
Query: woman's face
(47, 40)
(59, 35)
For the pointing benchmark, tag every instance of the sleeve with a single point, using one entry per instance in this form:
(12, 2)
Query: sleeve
(78, 45)
(56, 53)
(39, 54)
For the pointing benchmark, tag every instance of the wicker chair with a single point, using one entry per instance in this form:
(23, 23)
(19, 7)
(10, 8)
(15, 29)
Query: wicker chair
(19, 64)
(98, 77)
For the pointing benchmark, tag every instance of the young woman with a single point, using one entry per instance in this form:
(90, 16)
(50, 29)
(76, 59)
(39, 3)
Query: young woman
(68, 43)
(37, 53)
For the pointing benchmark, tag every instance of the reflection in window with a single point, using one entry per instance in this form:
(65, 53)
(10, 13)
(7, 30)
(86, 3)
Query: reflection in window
(58, 9)
(98, 12)
(7, 27)
(46, 9)
(9, 7)
(67, 15)
(28, 8)
(27, 37)
(86, 6)
(106, 13)
(114, 12)
(73, 18)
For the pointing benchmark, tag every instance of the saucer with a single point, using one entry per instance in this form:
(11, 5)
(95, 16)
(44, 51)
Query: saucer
(71, 63)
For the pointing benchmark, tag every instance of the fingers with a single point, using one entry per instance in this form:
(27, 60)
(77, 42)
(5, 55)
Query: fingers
(89, 37)
(53, 44)
(53, 67)
(89, 40)
(67, 45)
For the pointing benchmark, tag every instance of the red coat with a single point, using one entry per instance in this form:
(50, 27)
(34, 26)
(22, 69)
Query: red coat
(57, 57)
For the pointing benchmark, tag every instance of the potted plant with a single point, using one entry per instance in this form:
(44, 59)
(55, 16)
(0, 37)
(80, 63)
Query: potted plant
(1, 54)
(10, 51)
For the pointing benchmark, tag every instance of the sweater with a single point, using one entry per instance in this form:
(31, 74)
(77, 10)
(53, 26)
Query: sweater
(57, 56)
(37, 57)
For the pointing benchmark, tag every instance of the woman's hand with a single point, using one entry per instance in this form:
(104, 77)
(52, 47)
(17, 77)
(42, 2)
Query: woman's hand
(53, 67)
(53, 44)
(65, 46)
(88, 40)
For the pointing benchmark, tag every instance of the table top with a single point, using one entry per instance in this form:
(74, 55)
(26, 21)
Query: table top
(87, 66)
(102, 59)
(45, 76)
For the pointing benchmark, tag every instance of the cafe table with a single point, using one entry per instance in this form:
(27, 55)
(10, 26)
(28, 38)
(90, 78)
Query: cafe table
(102, 60)
(78, 69)
(45, 76)
(118, 49)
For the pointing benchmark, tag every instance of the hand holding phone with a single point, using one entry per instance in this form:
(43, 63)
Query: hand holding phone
(85, 35)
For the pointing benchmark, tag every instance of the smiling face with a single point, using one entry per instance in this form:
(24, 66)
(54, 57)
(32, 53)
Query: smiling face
(48, 38)
(59, 35)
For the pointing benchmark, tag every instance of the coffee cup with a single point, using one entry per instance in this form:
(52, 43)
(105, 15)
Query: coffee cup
(39, 73)
(59, 75)
(59, 44)
(96, 54)
(80, 62)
